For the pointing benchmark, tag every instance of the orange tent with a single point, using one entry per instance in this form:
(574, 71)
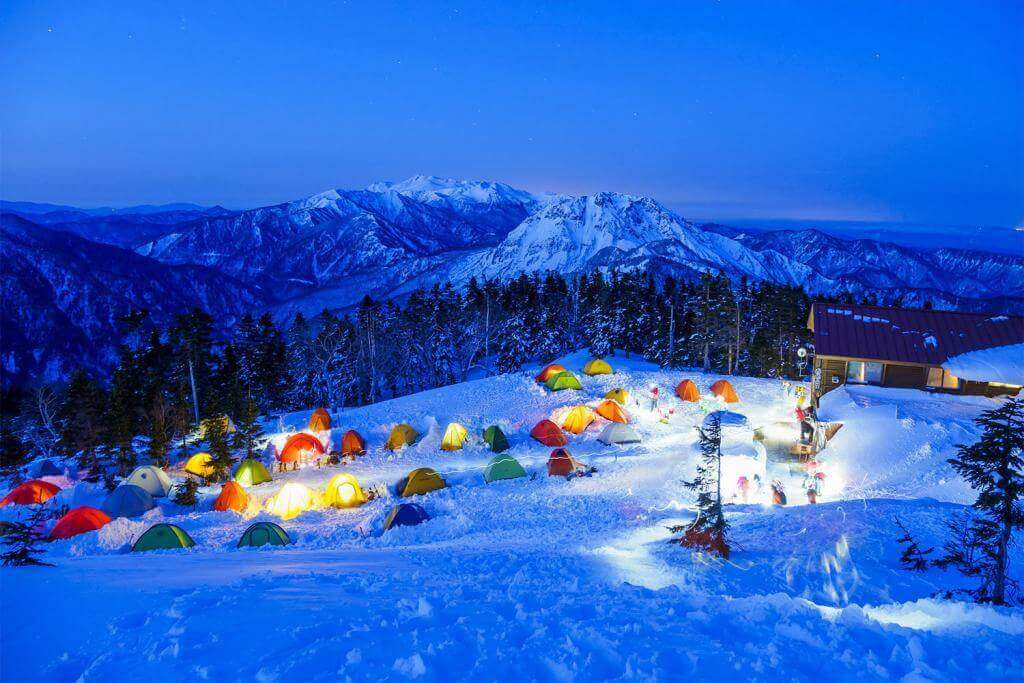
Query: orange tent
(548, 372)
(562, 464)
(687, 391)
(352, 443)
(548, 433)
(723, 389)
(232, 497)
(320, 420)
(31, 492)
(300, 447)
(577, 419)
(79, 521)
(610, 410)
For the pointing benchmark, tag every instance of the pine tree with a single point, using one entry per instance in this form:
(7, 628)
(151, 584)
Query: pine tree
(23, 540)
(248, 429)
(159, 434)
(913, 558)
(220, 451)
(185, 493)
(709, 530)
(994, 467)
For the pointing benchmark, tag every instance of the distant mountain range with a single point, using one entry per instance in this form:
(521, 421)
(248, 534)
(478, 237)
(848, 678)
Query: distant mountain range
(74, 271)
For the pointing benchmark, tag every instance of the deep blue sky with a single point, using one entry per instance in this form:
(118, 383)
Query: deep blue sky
(904, 111)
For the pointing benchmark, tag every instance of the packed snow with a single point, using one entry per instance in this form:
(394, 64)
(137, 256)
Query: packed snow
(998, 364)
(540, 578)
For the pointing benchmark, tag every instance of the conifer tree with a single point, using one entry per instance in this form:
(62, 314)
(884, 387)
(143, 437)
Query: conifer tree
(709, 530)
(23, 541)
(248, 429)
(220, 450)
(159, 432)
(913, 558)
(185, 493)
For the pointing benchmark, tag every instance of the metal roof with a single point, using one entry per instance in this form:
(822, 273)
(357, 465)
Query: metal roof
(907, 335)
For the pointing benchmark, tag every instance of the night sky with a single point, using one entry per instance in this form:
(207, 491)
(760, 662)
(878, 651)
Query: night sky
(889, 111)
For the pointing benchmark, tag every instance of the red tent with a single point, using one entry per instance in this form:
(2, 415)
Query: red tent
(79, 521)
(31, 492)
(548, 433)
(300, 447)
(352, 443)
(548, 371)
(562, 464)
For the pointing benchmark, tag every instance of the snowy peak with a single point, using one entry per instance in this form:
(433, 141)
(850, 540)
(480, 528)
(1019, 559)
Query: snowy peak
(433, 189)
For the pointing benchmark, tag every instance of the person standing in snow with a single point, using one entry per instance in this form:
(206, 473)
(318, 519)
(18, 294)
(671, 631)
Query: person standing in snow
(653, 397)
(743, 486)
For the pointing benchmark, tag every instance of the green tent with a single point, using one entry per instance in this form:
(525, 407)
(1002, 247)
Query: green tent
(251, 472)
(495, 439)
(563, 380)
(163, 537)
(263, 533)
(503, 467)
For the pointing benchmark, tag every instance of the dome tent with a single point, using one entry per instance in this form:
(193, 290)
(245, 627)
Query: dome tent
(618, 433)
(597, 366)
(577, 419)
(153, 479)
(610, 410)
(620, 396)
(252, 473)
(496, 439)
(406, 514)
(562, 464)
(31, 492)
(163, 537)
(343, 491)
(128, 500)
(263, 533)
(48, 468)
(353, 443)
(724, 390)
(199, 465)
(401, 435)
(293, 499)
(319, 421)
(79, 521)
(420, 481)
(232, 497)
(503, 467)
(687, 391)
(454, 437)
(301, 447)
(563, 381)
(548, 433)
(548, 372)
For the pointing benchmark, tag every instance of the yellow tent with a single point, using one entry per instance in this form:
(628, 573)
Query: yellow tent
(401, 435)
(199, 465)
(422, 480)
(577, 419)
(343, 491)
(454, 436)
(620, 396)
(597, 366)
(292, 499)
(223, 420)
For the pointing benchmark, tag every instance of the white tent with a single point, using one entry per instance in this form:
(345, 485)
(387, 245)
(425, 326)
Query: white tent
(616, 432)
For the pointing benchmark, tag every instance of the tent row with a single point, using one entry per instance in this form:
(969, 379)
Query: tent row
(550, 434)
(723, 389)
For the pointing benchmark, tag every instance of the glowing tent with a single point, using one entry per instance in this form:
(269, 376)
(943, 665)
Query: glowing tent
(263, 533)
(548, 433)
(687, 391)
(503, 467)
(454, 437)
(420, 481)
(577, 419)
(79, 521)
(353, 443)
(199, 465)
(562, 464)
(406, 514)
(618, 433)
(620, 396)
(610, 410)
(128, 500)
(495, 439)
(31, 492)
(291, 500)
(563, 381)
(597, 366)
(301, 447)
(163, 537)
(548, 372)
(252, 473)
(343, 491)
(724, 390)
(153, 479)
(402, 435)
(224, 421)
(232, 497)
(320, 420)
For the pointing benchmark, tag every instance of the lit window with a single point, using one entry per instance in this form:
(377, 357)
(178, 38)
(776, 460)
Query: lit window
(942, 379)
(860, 372)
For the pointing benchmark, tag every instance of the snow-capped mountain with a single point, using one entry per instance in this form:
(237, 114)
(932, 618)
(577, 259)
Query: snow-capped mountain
(330, 249)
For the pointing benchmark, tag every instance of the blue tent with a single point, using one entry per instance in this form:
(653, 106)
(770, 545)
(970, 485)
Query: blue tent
(128, 500)
(48, 468)
(406, 514)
